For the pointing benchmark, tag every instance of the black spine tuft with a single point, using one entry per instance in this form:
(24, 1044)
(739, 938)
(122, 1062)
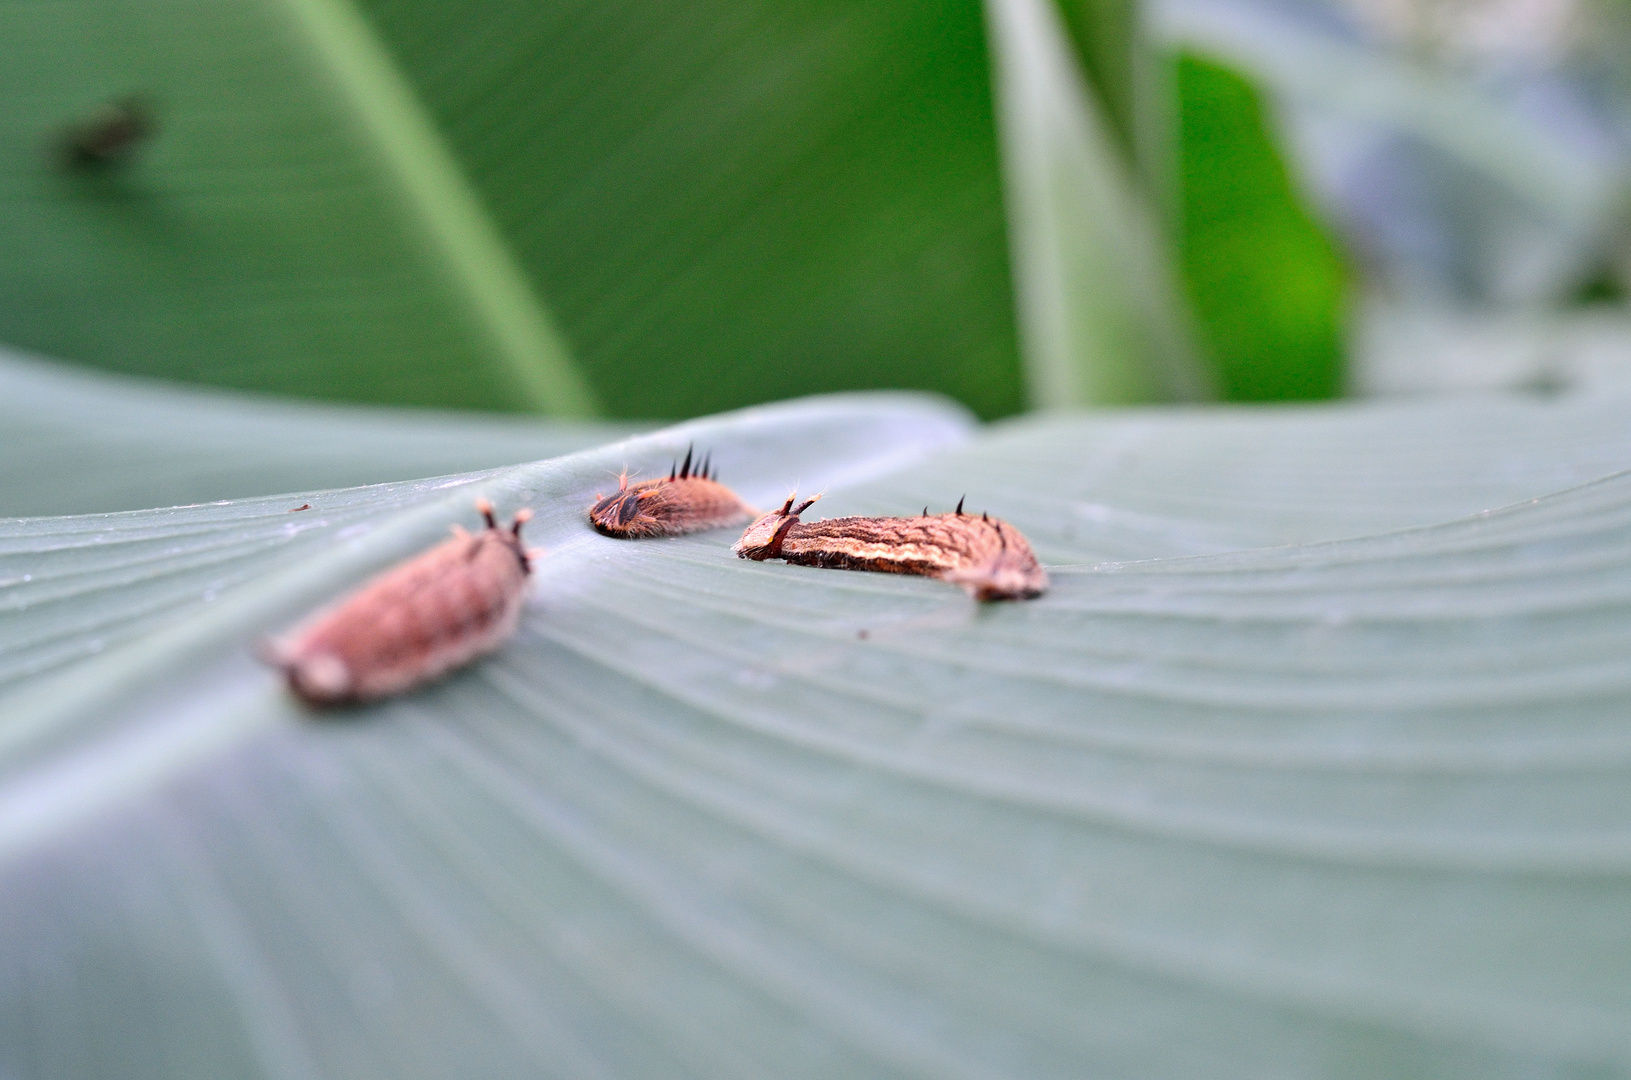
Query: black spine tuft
(960, 506)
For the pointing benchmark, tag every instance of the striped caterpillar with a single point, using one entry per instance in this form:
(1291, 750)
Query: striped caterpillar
(413, 623)
(688, 500)
(984, 555)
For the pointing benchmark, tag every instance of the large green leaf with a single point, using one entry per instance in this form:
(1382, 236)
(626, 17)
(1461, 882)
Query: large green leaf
(1341, 808)
(720, 202)
(295, 224)
(728, 201)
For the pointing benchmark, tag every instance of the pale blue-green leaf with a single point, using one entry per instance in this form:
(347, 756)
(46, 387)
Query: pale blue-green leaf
(75, 441)
(837, 436)
(1101, 317)
(1346, 809)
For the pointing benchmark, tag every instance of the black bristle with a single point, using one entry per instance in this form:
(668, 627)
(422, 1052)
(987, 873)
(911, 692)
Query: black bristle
(960, 506)
(685, 469)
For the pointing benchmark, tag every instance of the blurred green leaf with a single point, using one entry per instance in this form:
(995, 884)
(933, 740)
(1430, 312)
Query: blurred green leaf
(1101, 316)
(1353, 808)
(721, 202)
(1107, 39)
(429, 181)
(1266, 281)
(294, 224)
(729, 201)
(1302, 55)
(1497, 186)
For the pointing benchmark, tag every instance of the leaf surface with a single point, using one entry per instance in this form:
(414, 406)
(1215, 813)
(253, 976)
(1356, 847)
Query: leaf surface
(1311, 763)
(74, 441)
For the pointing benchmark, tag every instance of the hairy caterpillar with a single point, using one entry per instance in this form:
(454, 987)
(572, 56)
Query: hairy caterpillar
(413, 623)
(687, 500)
(986, 556)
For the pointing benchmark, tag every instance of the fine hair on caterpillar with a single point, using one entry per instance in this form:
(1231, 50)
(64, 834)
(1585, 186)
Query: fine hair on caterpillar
(689, 499)
(987, 556)
(413, 623)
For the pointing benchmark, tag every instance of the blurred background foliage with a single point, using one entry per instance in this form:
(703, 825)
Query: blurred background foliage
(1267, 282)
(647, 210)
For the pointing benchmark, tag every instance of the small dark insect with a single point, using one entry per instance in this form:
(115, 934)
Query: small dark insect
(986, 556)
(413, 623)
(297, 509)
(689, 499)
(110, 137)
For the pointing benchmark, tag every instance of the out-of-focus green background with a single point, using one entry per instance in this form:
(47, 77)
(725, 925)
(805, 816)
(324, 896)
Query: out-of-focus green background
(630, 209)
(639, 210)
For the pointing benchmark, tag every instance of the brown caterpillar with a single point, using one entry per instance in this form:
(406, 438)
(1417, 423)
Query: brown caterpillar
(984, 555)
(686, 501)
(413, 623)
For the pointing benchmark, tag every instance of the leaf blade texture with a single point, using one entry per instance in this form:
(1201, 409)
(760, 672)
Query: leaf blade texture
(1311, 763)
